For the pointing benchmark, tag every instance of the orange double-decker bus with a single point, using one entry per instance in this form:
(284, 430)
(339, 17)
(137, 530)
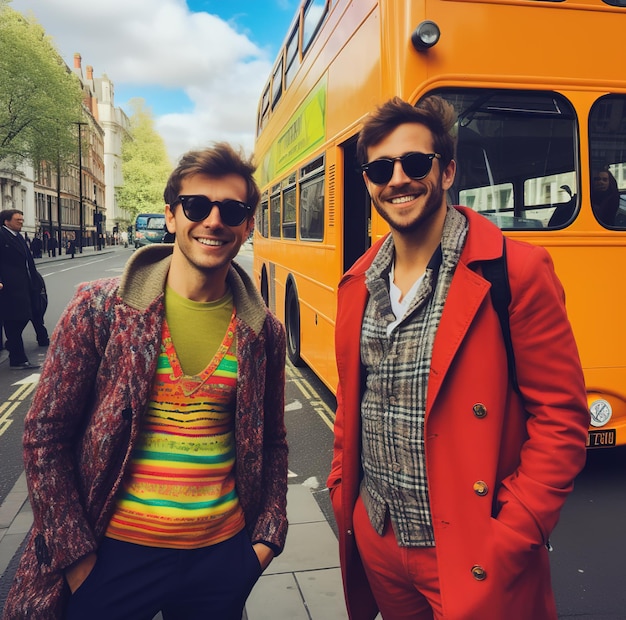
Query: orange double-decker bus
(541, 150)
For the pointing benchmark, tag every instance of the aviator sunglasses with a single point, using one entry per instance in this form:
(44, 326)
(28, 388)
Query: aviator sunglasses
(415, 166)
(197, 208)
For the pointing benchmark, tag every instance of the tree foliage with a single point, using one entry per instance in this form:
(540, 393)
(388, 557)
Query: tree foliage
(40, 98)
(145, 164)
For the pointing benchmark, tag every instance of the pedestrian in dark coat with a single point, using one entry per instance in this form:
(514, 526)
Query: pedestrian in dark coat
(21, 288)
(52, 246)
(35, 247)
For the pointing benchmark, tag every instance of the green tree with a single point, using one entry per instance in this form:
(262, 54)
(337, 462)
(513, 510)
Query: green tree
(40, 98)
(145, 164)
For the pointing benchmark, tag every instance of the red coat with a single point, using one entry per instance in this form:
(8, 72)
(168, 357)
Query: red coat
(491, 547)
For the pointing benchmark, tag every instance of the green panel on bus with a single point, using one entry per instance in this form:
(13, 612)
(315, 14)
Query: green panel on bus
(305, 131)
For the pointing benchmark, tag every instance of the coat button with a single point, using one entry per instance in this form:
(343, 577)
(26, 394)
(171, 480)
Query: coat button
(481, 488)
(479, 573)
(480, 411)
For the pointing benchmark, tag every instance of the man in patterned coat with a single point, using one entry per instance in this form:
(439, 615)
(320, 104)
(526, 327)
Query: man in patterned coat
(155, 447)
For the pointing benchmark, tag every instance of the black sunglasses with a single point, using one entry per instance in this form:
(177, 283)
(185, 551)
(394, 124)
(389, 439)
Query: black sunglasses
(198, 207)
(415, 165)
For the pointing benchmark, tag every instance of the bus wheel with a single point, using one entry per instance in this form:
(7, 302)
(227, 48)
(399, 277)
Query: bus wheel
(292, 326)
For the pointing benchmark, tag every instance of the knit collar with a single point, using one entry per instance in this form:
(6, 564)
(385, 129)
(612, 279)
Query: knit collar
(144, 277)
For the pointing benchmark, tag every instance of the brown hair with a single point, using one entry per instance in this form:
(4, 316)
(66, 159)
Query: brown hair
(215, 161)
(433, 112)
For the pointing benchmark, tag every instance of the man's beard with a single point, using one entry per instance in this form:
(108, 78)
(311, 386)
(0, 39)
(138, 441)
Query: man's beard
(431, 207)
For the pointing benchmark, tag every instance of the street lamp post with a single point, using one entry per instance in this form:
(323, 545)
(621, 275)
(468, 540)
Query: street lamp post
(97, 217)
(50, 229)
(60, 240)
(80, 186)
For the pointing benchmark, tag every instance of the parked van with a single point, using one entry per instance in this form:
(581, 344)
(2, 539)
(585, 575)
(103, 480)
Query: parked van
(149, 228)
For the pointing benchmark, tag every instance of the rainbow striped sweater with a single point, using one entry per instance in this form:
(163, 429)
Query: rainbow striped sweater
(180, 490)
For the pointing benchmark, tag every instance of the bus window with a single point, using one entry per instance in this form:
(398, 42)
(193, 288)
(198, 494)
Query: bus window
(264, 110)
(516, 152)
(312, 200)
(555, 189)
(291, 56)
(289, 208)
(263, 224)
(314, 14)
(312, 209)
(277, 83)
(491, 198)
(275, 215)
(607, 153)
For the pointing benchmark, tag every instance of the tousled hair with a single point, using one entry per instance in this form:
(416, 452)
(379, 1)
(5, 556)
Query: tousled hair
(218, 160)
(433, 112)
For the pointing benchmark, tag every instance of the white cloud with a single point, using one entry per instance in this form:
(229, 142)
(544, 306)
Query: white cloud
(147, 43)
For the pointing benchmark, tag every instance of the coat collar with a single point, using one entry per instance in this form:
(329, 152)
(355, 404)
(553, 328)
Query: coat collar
(466, 294)
(485, 243)
(145, 275)
(12, 237)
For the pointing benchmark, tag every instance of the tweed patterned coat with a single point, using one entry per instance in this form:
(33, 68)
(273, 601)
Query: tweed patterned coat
(86, 413)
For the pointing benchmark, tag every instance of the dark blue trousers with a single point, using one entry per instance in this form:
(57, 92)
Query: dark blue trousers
(133, 582)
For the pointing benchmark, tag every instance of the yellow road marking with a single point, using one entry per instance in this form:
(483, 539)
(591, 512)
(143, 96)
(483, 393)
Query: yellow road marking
(7, 408)
(319, 406)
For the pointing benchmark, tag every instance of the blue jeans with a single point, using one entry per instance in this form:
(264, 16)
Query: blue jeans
(133, 582)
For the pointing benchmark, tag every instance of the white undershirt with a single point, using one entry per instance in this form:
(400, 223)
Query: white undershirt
(400, 304)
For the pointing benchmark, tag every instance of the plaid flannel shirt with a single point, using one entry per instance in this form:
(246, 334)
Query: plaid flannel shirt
(394, 400)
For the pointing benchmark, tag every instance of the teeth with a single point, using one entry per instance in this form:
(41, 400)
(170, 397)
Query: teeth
(212, 242)
(402, 199)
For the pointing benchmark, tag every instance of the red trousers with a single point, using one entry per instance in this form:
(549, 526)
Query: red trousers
(404, 580)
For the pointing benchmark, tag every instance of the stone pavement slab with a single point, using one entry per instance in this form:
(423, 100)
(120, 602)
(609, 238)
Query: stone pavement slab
(304, 582)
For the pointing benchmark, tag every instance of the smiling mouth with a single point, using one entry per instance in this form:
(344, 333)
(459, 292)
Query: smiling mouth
(398, 200)
(211, 242)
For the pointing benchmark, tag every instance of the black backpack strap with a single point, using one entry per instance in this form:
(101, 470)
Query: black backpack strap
(495, 272)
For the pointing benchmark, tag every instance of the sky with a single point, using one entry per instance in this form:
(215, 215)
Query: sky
(200, 65)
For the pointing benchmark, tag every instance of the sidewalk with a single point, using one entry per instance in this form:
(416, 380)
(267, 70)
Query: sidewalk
(303, 583)
(88, 252)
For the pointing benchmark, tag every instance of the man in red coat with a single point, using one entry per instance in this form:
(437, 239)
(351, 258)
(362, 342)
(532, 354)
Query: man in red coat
(446, 482)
